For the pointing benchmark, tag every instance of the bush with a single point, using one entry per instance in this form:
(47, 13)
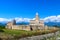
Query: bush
(1, 30)
(2, 27)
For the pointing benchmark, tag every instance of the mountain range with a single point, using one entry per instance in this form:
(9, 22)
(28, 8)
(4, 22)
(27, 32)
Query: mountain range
(27, 23)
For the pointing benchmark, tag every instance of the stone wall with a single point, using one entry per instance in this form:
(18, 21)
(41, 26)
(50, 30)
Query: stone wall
(21, 27)
(40, 37)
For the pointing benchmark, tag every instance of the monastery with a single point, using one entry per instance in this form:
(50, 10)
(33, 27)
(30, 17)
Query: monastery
(36, 24)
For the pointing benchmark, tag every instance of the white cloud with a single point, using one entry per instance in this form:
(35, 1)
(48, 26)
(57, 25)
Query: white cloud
(22, 19)
(4, 20)
(17, 19)
(46, 19)
(33, 19)
(52, 18)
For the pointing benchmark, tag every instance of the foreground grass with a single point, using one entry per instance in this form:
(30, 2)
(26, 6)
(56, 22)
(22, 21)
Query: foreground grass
(16, 34)
(23, 33)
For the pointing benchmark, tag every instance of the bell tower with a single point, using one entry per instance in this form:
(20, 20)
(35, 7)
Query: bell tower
(37, 17)
(14, 22)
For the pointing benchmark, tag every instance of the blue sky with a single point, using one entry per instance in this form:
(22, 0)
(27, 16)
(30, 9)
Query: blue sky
(28, 8)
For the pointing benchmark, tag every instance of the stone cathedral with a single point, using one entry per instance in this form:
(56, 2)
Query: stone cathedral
(36, 24)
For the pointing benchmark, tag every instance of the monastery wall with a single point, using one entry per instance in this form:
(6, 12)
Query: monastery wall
(21, 27)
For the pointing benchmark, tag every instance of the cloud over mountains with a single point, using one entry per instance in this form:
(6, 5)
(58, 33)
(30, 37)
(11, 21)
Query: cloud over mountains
(46, 19)
(17, 19)
(52, 19)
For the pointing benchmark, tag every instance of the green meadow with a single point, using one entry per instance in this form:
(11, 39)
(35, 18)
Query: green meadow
(16, 34)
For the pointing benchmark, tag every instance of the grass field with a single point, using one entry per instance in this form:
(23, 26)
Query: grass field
(16, 34)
